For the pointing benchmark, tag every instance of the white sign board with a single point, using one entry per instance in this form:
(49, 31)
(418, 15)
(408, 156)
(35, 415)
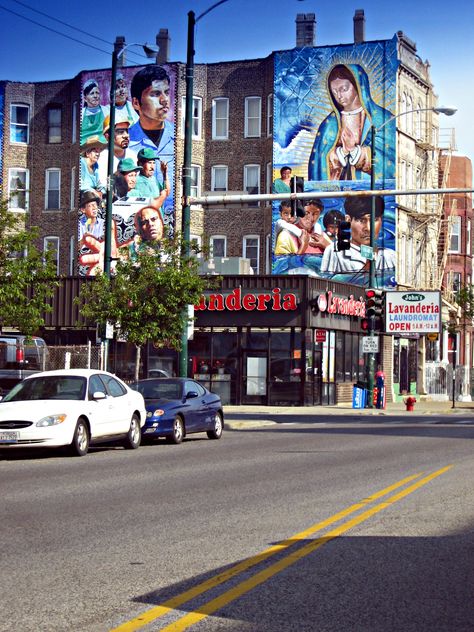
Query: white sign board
(370, 344)
(412, 312)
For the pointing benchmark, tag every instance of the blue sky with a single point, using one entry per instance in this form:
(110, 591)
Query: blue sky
(241, 29)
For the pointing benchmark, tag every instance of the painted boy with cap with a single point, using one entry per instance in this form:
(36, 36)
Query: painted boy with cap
(147, 185)
(90, 178)
(126, 179)
(121, 143)
(89, 222)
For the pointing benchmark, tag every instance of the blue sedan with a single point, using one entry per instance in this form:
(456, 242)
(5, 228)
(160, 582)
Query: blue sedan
(177, 407)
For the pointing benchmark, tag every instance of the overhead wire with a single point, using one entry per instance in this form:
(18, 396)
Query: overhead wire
(44, 26)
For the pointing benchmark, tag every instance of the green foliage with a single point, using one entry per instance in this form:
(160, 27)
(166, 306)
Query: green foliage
(465, 299)
(146, 297)
(27, 275)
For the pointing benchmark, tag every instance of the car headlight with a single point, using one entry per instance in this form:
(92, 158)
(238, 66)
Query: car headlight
(156, 413)
(51, 420)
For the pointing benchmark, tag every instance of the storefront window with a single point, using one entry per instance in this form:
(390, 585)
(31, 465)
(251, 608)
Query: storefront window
(286, 364)
(412, 360)
(396, 360)
(224, 365)
(355, 357)
(339, 356)
(255, 339)
(347, 357)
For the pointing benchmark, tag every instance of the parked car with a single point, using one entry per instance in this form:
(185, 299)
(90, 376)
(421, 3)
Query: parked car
(177, 407)
(71, 407)
(19, 357)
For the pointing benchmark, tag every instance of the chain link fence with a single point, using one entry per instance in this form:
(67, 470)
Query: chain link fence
(75, 357)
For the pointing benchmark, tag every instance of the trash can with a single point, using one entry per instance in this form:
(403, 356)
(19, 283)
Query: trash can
(359, 396)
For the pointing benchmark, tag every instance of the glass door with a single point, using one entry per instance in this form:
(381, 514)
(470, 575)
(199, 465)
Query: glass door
(254, 377)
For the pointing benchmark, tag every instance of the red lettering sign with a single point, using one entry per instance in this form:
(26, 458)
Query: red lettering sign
(236, 301)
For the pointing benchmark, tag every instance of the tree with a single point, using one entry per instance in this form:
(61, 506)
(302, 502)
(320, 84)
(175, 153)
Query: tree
(147, 296)
(27, 276)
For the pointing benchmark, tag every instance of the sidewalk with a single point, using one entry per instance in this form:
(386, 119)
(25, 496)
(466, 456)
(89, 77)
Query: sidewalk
(245, 416)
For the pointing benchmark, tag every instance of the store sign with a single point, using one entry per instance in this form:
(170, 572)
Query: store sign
(344, 306)
(320, 335)
(274, 300)
(413, 312)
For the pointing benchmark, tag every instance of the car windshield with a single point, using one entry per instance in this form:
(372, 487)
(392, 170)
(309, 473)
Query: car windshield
(48, 387)
(158, 389)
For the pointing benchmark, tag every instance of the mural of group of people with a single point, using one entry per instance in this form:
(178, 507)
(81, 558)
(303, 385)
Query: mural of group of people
(327, 102)
(143, 162)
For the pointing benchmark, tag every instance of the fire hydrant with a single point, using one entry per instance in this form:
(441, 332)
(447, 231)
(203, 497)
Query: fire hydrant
(410, 404)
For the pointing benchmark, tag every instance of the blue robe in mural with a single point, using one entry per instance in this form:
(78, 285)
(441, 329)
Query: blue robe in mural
(329, 131)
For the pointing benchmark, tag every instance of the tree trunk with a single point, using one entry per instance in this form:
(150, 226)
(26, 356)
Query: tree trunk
(137, 362)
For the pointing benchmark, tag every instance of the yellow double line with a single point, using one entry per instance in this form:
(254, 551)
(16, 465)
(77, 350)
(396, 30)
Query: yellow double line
(245, 586)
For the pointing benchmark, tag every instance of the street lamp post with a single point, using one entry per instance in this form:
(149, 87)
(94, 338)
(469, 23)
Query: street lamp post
(187, 168)
(448, 111)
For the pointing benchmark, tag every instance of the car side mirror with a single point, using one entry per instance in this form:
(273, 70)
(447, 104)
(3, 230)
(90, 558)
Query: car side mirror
(99, 395)
(192, 395)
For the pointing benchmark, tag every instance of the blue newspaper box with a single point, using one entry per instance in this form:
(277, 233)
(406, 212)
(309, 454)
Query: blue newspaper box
(359, 397)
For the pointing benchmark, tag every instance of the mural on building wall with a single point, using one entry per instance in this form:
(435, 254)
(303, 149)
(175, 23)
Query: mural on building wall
(2, 119)
(326, 102)
(143, 163)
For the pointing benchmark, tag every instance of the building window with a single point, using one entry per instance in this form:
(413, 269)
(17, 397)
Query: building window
(196, 241)
(268, 254)
(197, 117)
(195, 180)
(455, 281)
(72, 256)
(251, 250)
(51, 244)
(19, 123)
(409, 115)
(455, 241)
(468, 237)
(74, 122)
(18, 189)
(418, 122)
(269, 178)
(73, 189)
(220, 118)
(252, 181)
(270, 115)
(53, 186)
(219, 177)
(54, 124)
(253, 114)
(218, 246)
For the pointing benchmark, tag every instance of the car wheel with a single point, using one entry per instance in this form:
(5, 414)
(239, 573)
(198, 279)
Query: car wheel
(81, 439)
(134, 435)
(178, 431)
(216, 432)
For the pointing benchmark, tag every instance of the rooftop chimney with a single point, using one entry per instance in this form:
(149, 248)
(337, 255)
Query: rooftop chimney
(163, 41)
(119, 44)
(359, 26)
(305, 29)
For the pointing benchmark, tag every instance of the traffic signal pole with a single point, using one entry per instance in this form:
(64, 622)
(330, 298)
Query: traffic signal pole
(372, 280)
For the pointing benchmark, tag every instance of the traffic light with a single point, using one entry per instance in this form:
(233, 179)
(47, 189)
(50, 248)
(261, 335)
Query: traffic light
(375, 303)
(297, 186)
(344, 236)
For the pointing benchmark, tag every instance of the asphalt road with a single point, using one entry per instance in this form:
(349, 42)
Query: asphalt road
(348, 526)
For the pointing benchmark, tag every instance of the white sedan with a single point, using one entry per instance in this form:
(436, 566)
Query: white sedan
(71, 407)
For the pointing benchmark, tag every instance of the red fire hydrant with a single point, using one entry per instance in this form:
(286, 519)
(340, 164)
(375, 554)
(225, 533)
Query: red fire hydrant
(410, 404)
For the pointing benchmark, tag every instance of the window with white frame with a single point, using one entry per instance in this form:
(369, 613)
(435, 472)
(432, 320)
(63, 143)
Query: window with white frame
(270, 115)
(455, 281)
(268, 254)
(409, 115)
(196, 244)
(403, 108)
(72, 199)
(18, 189)
(19, 123)
(268, 178)
(251, 250)
(54, 124)
(253, 117)
(195, 180)
(72, 256)
(196, 117)
(74, 122)
(220, 118)
(252, 181)
(51, 244)
(418, 121)
(455, 241)
(53, 189)
(218, 246)
(219, 177)
(468, 237)
(403, 258)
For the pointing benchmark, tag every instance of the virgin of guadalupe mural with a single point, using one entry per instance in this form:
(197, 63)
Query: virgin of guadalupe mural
(341, 150)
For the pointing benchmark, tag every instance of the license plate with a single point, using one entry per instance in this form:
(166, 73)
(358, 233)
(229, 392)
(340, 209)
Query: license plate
(9, 437)
(149, 430)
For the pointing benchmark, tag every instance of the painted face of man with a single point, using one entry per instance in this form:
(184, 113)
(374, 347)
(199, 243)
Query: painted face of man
(345, 94)
(285, 174)
(148, 168)
(121, 92)
(360, 229)
(154, 104)
(314, 210)
(90, 209)
(150, 225)
(121, 136)
(306, 222)
(93, 155)
(131, 179)
(92, 98)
